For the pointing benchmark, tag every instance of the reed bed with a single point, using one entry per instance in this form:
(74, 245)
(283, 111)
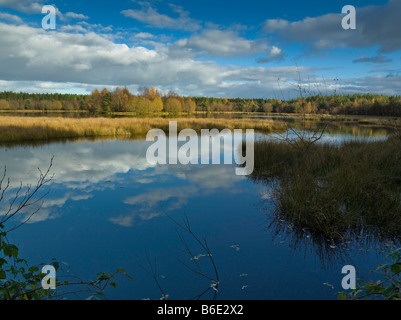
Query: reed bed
(335, 191)
(18, 129)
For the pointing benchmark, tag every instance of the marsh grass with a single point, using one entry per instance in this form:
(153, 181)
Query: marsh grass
(18, 129)
(335, 191)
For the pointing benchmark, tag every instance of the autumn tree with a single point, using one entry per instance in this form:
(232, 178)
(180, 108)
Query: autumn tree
(139, 104)
(106, 100)
(151, 93)
(4, 104)
(189, 106)
(267, 107)
(117, 100)
(57, 105)
(94, 102)
(157, 105)
(127, 96)
(172, 105)
(307, 108)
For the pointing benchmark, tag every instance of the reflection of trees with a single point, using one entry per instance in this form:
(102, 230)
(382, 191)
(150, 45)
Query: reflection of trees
(351, 128)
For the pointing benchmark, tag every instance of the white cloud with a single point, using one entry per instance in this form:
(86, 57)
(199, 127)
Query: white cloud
(214, 42)
(26, 6)
(274, 53)
(33, 55)
(144, 35)
(10, 17)
(375, 59)
(73, 28)
(77, 16)
(376, 26)
(273, 25)
(152, 18)
(380, 84)
(34, 7)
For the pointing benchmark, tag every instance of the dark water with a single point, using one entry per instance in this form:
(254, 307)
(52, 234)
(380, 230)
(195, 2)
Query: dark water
(108, 208)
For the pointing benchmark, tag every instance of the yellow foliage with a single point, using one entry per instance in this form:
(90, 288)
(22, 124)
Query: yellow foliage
(173, 105)
(57, 105)
(308, 108)
(4, 104)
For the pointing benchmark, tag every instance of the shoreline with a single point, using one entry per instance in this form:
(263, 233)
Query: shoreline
(26, 129)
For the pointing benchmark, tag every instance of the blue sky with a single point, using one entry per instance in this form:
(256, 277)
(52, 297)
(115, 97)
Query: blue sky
(212, 48)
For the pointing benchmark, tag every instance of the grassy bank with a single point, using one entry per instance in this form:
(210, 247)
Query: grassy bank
(18, 129)
(334, 191)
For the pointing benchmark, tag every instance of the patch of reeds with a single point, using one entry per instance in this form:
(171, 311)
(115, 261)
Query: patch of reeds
(335, 191)
(18, 129)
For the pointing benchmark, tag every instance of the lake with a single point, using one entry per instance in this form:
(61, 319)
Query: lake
(108, 208)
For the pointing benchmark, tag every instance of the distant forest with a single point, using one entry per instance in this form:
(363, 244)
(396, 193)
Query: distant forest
(150, 100)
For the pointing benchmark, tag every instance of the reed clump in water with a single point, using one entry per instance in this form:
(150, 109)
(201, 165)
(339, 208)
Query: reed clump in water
(335, 191)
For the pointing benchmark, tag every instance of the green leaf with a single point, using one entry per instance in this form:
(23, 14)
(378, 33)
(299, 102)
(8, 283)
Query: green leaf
(2, 261)
(101, 295)
(27, 275)
(124, 273)
(396, 268)
(56, 265)
(390, 292)
(33, 269)
(10, 250)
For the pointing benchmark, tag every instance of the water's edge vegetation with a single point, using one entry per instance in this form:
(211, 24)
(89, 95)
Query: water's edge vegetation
(17, 129)
(335, 191)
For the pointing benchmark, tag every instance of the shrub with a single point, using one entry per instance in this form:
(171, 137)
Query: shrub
(4, 104)
(173, 105)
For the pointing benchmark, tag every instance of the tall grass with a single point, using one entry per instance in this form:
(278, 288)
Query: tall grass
(335, 191)
(18, 129)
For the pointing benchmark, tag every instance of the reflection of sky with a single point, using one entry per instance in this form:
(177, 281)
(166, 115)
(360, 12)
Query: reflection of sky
(106, 204)
(83, 169)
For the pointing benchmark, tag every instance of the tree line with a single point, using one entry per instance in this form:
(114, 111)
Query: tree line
(149, 100)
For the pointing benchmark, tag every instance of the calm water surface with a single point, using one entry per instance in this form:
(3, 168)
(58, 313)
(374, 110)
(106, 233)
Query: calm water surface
(108, 208)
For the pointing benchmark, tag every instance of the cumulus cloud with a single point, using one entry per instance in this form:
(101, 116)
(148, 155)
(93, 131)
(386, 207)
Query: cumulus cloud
(152, 18)
(144, 35)
(389, 84)
(376, 26)
(40, 55)
(214, 42)
(324, 32)
(26, 6)
(10, 17)
(77, 16)
(35, 7)
(93, 59)
(274, 53)
(273, 25)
